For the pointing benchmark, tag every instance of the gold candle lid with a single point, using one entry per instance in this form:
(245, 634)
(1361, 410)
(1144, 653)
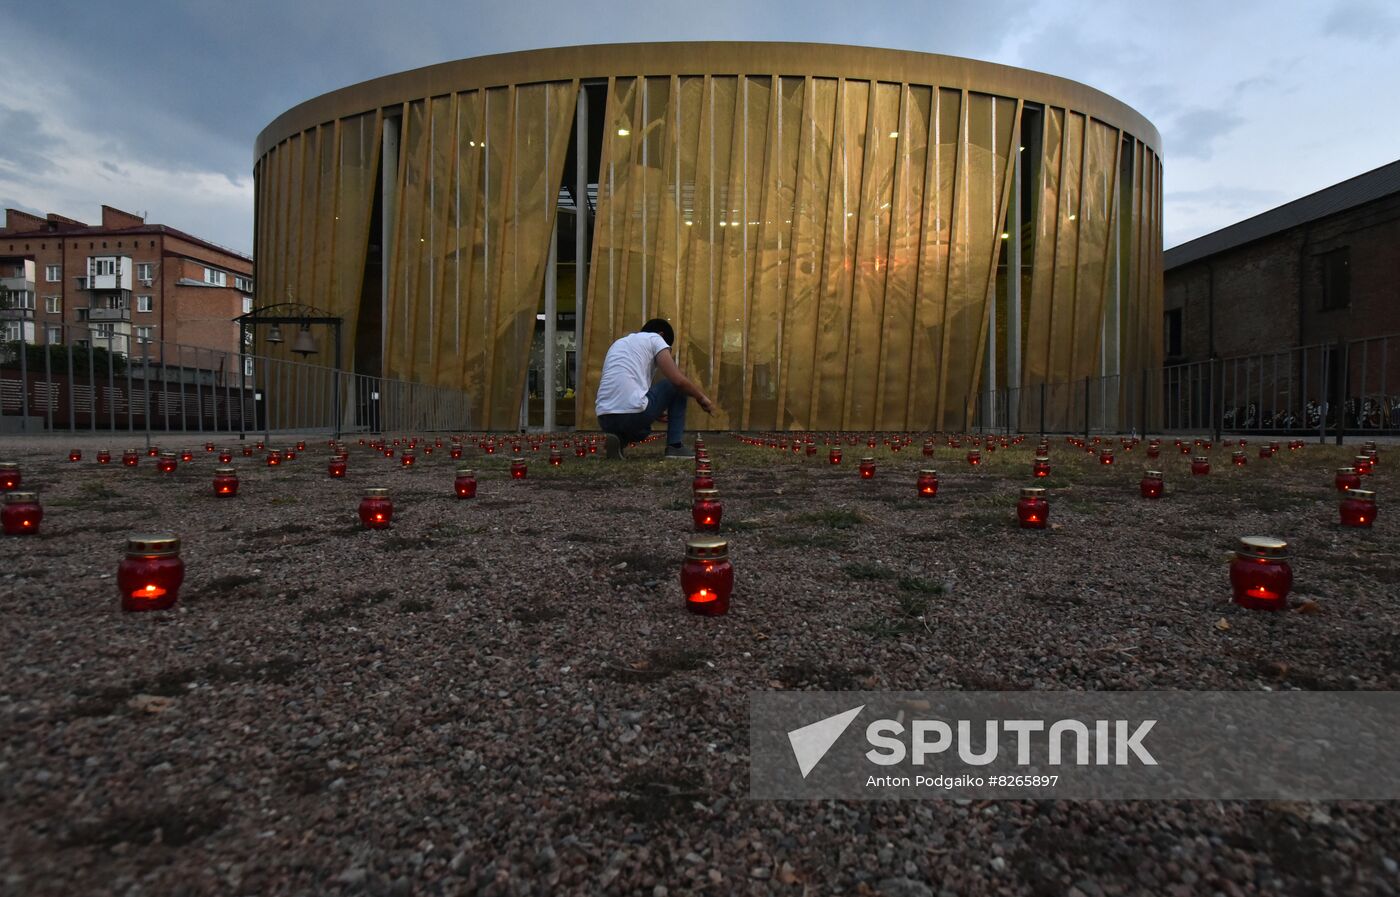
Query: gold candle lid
(167, 454)
(1366, 458)
(1032, 491)
(517, 460)
(867, 458)
(376, 492)
(14, 465)
(707, 548)
(1200, 458)
(153, 545)
(1358, 494)
(1152, 474)
(1346, 470)
(1043, 458)
(1264, 547)
(701, 494)
(226, 471)
(15, 498)
(466, 472)
(928, 472)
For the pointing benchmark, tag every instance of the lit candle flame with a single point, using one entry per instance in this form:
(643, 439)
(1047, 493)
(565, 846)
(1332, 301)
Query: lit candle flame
(148, 591)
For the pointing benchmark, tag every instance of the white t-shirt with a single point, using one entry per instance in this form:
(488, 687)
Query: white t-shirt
(627, 374)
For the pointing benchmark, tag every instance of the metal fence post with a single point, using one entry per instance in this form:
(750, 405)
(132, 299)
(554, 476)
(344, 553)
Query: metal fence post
(1086, 408)
(1042, 408)
(1342, 388)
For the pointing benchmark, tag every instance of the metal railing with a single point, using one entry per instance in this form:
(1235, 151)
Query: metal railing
(1349, 388)
(87, 384)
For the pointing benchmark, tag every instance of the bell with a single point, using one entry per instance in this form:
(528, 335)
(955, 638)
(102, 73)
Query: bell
(275, 334)
(305, 343)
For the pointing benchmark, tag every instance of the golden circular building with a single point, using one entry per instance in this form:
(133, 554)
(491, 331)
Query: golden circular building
(843, 237)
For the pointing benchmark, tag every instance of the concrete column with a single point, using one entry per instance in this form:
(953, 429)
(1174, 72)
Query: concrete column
(389, 185)
(580, 244)
(551, 318)
(1013, 295)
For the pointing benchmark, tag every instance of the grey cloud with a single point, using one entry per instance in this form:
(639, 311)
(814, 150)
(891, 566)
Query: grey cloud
(1363, 21)
(1193, 133)
(24, 146)
(1227, 197)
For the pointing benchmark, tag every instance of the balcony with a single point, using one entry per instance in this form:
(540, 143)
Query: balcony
(16, 285)
(16, 314)
(108, 315)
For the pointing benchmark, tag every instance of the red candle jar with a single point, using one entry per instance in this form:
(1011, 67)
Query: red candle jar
(1358, 508)
(274, 458)
(407, 459)
(1153, 452)
(927, 483)
(928, 448)
(1259, 574)
(225, 457)
(555, 459)
(259, 445)
(455, 453)
(974, 458)
(21, 514)
(130, 458)
(580, 450)
(289, 455)
(388, 453)
(707, 576)
(704, 479)
(167, 462)
(153, 452)
(208, 446)
(75, 455)
(149, 577)
(335, 468)
(1264, 452)
(225, 481)
(517, 468)
(104, 457)
(1041, 466)
(1185, 447)
(700, 454)
(811, 449)
(187, 456)
(301, 445)
(1238, 459)
(1151, 484)
(835, 456)
(1106, 456)
(489, 448)
(465, 483)
(1347, 479)
(9, 476)
(1200, 465)
(1032, 510)
(247, 451)
(867, 468)
(707, 511)
(1363, 465)
(376, 510)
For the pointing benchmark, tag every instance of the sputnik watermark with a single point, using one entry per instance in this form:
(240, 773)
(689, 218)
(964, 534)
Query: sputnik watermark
(1077, 745)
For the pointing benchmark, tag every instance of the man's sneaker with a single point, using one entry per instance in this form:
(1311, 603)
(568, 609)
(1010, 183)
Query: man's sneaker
(679, 452)
(613, 450)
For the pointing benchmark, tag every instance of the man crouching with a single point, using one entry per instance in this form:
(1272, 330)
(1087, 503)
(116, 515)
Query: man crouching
(628, 402)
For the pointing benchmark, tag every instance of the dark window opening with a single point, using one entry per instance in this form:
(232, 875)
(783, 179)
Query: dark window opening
(1172, 332)
(1335, 268)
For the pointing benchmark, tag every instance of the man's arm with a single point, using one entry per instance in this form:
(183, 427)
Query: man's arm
(668, 367)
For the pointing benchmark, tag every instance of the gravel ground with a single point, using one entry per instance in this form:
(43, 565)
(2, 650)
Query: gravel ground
(505, 696)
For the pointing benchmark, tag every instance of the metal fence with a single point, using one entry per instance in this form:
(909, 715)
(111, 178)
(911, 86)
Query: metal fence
(1341, 389)
(78, 385)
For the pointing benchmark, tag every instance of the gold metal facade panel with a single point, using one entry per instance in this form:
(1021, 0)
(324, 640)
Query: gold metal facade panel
(826, 248)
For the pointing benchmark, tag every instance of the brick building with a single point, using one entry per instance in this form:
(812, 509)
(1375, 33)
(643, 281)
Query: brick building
(117, 284)
(1321, 269)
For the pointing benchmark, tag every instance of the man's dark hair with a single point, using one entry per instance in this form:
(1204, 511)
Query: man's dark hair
(662, 328)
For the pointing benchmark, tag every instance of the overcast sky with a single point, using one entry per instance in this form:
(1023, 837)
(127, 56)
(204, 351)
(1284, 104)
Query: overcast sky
(153, 105)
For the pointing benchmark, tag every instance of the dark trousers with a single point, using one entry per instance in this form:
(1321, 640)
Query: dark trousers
(662, 398)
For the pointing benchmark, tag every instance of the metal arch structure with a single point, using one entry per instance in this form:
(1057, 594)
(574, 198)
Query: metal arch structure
(844, 237)
(301, 315)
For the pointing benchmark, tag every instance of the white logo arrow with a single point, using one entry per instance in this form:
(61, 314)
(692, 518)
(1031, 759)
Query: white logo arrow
(810, 743)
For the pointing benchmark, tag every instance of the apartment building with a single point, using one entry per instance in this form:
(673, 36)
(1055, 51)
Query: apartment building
(121, 285)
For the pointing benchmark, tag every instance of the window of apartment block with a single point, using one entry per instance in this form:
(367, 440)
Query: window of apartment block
(143, 272)
(53, 273)
(53, 305)
(99, 267)
(145, 334)
(82, 314)
(14, 331)
(243, 283)
(1171, 330)
(53, 336)
(247, 304)
(215, 277)
(143, 303)
(1335, 270)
